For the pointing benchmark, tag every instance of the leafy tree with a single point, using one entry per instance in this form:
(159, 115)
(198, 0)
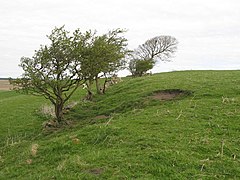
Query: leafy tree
(139, 67)
(55, 70)
(142, 66)
(160, 48)
(104, 55)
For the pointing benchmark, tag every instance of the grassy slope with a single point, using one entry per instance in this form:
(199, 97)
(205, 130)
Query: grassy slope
(143, 138)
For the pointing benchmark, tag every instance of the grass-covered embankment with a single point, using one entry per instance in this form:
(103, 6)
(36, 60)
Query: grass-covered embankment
(190, 137)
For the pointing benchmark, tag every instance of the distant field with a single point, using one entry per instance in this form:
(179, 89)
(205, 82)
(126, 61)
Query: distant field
(4, 85)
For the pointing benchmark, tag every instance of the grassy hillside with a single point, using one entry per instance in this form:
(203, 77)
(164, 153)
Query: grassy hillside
(127, 134)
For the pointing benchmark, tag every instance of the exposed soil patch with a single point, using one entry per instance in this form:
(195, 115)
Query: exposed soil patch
(170, 94)
(96, 171)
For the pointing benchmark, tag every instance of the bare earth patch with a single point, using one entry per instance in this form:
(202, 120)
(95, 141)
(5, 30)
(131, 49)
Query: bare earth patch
(169, 94)
(5, 85)
(96, 171)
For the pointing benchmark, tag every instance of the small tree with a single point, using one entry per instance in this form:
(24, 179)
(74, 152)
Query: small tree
(103, 56)
(160, 48)
(142, 66)
(54, 71)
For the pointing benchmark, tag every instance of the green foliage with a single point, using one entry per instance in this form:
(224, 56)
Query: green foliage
(108, 51)
(104, 55)
(140, 67)
(55, 70)
(143, 138)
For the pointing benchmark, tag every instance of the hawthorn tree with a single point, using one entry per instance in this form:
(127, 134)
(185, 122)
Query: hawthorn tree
(104, 55)
(138, 67)
(159, 48)
(55, 70)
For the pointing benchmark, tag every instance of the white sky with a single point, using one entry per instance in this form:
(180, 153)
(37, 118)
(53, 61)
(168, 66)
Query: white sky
(208, 31)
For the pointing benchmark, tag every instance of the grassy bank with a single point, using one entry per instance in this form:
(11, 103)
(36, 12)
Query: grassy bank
(128, 134)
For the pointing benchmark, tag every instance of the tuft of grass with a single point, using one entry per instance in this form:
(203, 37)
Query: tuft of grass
(47, 111)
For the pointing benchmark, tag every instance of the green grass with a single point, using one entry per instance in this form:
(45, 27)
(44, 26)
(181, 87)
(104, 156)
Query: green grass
(191, 137)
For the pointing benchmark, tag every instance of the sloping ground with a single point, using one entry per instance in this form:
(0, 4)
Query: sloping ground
(195, 136)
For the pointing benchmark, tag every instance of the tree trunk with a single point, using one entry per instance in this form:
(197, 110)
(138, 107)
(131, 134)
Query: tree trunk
(89, 91)
(99, 91)
(59, 111)
(104, 86)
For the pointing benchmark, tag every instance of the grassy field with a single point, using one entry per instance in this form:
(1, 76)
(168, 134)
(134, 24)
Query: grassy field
(127, 134)
(5, 85)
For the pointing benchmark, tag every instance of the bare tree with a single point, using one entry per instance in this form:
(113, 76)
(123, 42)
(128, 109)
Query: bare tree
(159, 48)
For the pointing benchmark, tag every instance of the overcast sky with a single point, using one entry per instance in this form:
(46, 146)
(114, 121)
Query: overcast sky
(208, 31)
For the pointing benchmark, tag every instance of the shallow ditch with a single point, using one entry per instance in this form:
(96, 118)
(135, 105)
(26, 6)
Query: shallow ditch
(170, 94)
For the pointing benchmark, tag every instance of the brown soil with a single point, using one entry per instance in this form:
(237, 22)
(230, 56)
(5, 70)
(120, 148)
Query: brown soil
(169, 94)
(96, 171)
(4, 85)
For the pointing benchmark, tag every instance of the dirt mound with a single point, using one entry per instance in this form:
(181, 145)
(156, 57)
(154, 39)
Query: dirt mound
(169, 94)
